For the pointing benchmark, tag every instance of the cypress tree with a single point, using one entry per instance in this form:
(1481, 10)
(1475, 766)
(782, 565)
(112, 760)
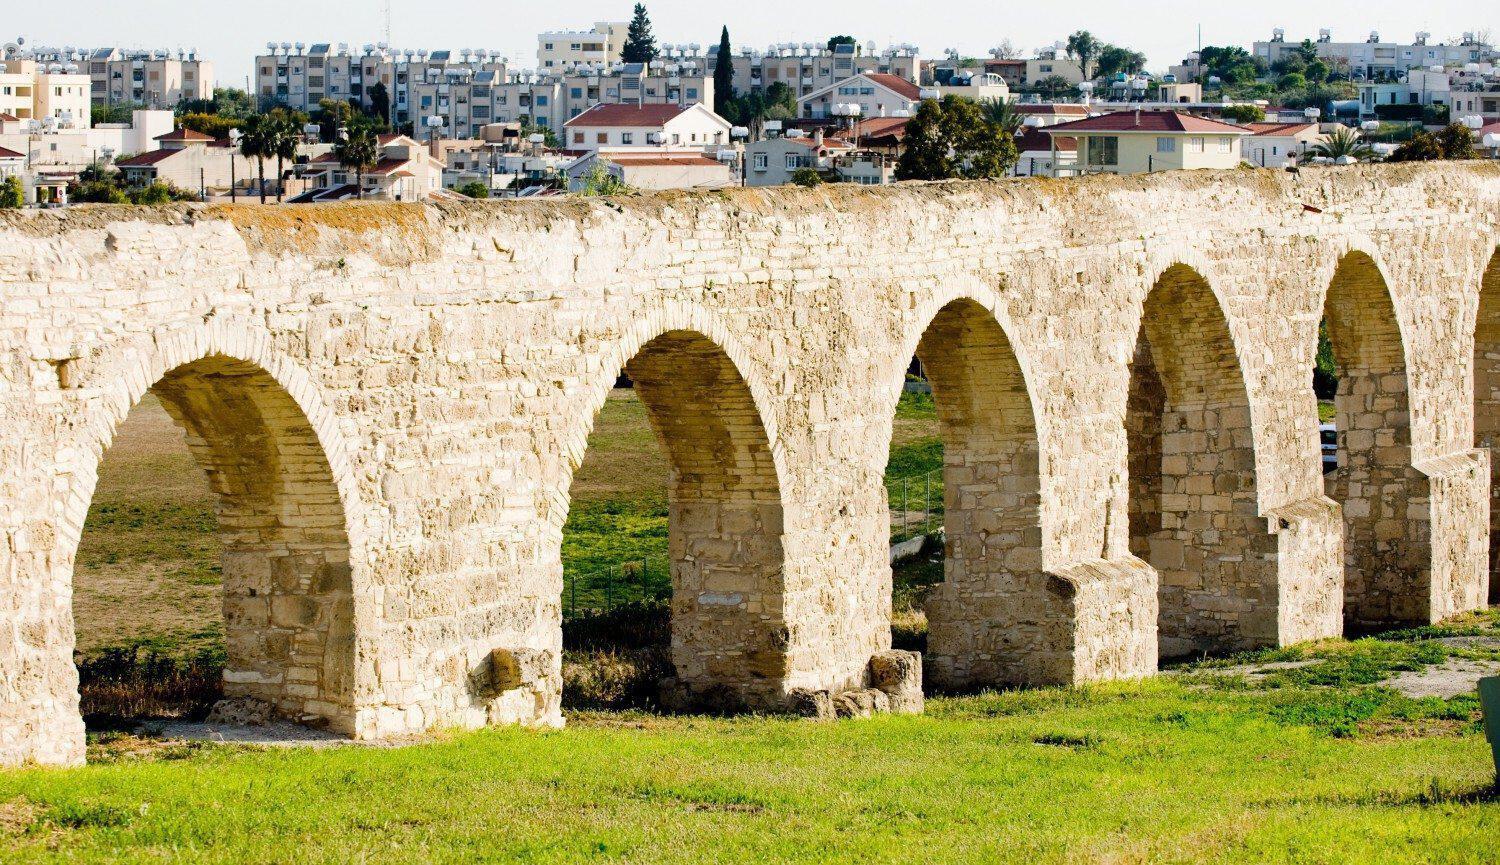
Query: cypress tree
(723, 75)
(640, 45)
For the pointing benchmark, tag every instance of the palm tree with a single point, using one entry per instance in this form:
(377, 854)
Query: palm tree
(356, 149)
(1004, 114)
(1343, 141)
(256, 143)
(284, 140)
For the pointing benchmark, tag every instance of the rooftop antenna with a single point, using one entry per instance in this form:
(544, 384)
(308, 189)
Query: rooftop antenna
(386, 12)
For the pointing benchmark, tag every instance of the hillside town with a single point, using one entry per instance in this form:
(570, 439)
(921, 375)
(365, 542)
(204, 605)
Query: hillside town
(608, 108)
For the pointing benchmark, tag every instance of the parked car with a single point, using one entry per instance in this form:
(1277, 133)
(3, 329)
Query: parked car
(1328, 434)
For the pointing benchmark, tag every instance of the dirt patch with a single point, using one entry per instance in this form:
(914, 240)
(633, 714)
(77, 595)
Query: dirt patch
(1451, 678)
(16, 817)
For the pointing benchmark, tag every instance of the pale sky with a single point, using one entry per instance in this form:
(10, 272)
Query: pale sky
(230, 34)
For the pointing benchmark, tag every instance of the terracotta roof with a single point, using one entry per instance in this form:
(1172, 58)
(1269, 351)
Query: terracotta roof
(896, 83)
(1487, 129)
(1146, 121)
(8, 118)
(1278, 128)
(877, 127)
(1053, 108)
(144, 159)
(631, 160)
(6, 153)
(1034, 138)
(605, 114)
(184, 134)
(388, 166)
(831, 143)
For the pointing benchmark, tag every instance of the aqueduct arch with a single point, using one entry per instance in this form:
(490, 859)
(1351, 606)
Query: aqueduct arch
(992, 620)
(288, 594)
(1194, 512)
(445, 355)
(1487, 402)
(1386, 533)
(729, 640)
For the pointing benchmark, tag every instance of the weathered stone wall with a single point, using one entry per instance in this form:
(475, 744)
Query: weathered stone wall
(445, 364)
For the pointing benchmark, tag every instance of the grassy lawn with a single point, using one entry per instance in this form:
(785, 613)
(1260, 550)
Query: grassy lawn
(1197, 766)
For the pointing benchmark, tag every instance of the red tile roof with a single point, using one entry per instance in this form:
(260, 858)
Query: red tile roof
(6, 153)
(1033, 138)
(659, 159)
(606, 114)
(1278, 128)
(1053, 108)
(183, 134)
(8, 118)
(896, 83)
(144, 159)
(877, 127)
(388, 166)
(1146, 121)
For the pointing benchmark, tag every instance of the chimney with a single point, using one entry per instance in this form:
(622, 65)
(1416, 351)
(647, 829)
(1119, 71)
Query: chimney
(435, 147)
(818, 137)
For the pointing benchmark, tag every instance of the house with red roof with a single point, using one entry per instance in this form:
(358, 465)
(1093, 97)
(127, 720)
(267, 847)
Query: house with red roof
(404, 170)
(616, 125)
(188, 159)
(877, 94)
(1274, 145)
(1138, 142)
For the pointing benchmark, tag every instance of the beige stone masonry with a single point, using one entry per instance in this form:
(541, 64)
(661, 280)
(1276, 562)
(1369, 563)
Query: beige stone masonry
(391, 399)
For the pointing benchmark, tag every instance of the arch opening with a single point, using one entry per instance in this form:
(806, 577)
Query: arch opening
(1385, 572)
(1193, 509)
(992, 619)
(1487, 402)
(277, 526)
(724, 554)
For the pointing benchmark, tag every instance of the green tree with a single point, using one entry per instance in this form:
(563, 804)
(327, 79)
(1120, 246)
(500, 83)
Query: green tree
(332, 115)
(953, 137)
(97, 185)
(1083, 47)
(229, 102)
(724, 75)
(160, 193)
(285, 136)
(12, 195)
(209, 124)
(529, 129)
(118, 113)
(599, 180)
(1343, 141)
(1244, 113)
(1005, 114)
(474, 189)
(1317, 72)
(807, 176)
(1114, 59)
(842, 40)
(357, 149)
(1457, 142)
(1423, 146)
(380, 101)
(640, 45)
(257, 141)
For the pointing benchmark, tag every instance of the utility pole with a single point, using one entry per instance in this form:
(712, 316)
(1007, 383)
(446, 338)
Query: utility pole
(387, 11)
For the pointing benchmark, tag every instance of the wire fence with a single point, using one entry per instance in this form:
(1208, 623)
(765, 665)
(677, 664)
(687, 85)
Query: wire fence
(600, 590)
(916, 507)
(916, 503)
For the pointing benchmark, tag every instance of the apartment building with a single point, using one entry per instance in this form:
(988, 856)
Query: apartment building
(52, 92)
(151, 78)
(1377, 58)
(563, 49)
(807, 67)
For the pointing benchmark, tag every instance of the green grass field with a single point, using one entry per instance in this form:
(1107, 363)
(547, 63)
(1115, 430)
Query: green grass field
(1310, 765)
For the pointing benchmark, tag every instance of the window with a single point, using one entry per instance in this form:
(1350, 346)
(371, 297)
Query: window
(575, 92)
(602, 138)
(791, 161)
(1195, 144)
(1166, 144)
(627, 137)
(547, 46)
(578, 138)
(1224, 144)
(1103, 150)
(541, 99)
(761, 162)
(676, 139)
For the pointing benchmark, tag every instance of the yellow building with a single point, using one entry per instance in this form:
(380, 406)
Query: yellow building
(31, 90)
(1138, 142)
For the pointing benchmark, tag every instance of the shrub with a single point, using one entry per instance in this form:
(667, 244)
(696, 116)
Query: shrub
(807, 177)
(474, 189)
(1244, 113)
(12, 195)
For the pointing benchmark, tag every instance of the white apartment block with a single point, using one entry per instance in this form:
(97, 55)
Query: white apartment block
(52, 93)
(149, 78)
(1375, 57)
(563, 49)
(807, 67)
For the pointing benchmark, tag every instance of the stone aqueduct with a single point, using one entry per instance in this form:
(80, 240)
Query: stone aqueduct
(390, 401)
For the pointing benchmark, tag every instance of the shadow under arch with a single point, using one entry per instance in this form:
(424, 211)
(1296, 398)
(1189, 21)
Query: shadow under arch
(288, 595)
(730, 642)
(997, 617)
(1487, 402)
(1193, 504)
(1387, 574)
